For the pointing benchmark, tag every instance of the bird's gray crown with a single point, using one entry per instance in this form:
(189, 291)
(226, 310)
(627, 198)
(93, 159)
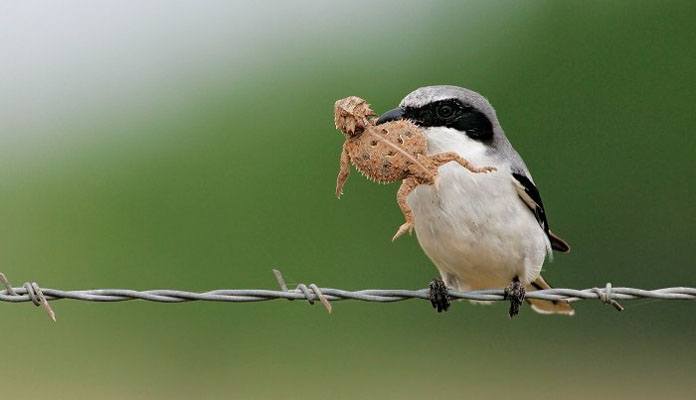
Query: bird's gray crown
(429, 94)
(473, 126)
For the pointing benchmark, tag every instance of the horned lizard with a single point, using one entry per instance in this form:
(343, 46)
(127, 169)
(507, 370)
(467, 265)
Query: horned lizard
(389, 152)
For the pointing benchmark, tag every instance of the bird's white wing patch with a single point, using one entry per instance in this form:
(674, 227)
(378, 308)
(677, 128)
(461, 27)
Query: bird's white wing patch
(522, 192)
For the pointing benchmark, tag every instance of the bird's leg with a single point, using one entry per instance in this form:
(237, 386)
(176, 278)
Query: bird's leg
(438, 295)
(406, 188)
(343, 172)
(515, 293)
(443, 158)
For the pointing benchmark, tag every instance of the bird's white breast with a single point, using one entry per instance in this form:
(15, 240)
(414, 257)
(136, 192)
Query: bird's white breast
(474, 227)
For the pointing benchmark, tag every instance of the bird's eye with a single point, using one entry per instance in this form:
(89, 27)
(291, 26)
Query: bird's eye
(445, 111)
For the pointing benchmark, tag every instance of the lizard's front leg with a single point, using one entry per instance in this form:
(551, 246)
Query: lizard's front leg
(443, 158)
(406, 188)
(343, 172)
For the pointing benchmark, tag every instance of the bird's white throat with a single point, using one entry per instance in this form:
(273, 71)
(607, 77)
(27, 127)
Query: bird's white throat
(441, 139)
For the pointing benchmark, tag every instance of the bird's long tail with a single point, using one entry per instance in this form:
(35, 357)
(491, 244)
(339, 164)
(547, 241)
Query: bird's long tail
(544, 306)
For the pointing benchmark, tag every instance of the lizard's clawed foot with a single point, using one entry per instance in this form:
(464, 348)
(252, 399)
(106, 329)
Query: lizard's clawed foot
(515, 293)
(406, 227)
(439, 297)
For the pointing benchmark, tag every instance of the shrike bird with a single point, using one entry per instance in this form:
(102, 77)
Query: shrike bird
(481, 231)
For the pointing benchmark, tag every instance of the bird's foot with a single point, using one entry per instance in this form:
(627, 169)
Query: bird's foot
(515, 293)
(406, 227)
(439, 297)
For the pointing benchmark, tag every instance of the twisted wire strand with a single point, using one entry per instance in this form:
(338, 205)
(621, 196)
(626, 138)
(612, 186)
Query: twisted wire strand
(31, 292)
(21, 294)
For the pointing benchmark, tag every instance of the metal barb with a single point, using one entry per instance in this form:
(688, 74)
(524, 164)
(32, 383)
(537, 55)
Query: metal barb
(42, 300)
(281, 280)
(313, 294)
(305, 291)
(34, 293)
(606, 297)
(309, 295)
(8, 286)
(321, 297)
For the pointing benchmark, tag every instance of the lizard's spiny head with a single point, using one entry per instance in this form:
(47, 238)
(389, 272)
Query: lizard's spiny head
(352, 115)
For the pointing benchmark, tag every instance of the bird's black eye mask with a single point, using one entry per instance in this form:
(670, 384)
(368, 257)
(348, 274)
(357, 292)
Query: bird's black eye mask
(452, 113)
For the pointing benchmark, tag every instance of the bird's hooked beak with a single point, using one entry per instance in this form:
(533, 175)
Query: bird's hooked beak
(391, 115)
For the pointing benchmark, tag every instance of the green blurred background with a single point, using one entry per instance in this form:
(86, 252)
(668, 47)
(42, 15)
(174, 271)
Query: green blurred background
(191, 145)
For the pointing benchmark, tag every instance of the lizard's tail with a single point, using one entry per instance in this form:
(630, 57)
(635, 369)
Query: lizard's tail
(545, 306)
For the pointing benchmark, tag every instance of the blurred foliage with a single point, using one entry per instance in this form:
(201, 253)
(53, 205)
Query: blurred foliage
(212, 186)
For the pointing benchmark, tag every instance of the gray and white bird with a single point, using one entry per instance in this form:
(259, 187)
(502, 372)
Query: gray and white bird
(481, 231)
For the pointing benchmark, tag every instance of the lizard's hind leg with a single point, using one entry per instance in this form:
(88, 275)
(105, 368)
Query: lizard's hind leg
(406, 188)
(443, 158)
(343, 172)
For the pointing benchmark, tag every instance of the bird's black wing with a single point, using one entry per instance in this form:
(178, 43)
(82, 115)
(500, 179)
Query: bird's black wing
(529, 193)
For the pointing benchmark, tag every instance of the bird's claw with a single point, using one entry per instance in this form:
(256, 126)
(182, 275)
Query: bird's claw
(515, 292)
(439, 297)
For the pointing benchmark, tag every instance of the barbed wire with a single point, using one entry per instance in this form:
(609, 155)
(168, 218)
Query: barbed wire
(31, 292)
